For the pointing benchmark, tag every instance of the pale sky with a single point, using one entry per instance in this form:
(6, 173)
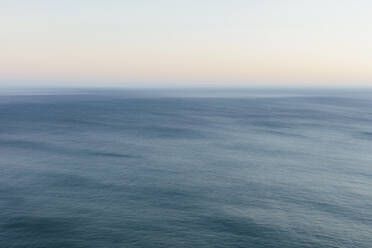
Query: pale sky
(189, 42)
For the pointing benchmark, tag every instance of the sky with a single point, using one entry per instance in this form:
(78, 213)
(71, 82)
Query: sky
(145, 43)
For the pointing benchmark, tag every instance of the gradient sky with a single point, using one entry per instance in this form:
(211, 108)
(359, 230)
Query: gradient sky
(189, 42)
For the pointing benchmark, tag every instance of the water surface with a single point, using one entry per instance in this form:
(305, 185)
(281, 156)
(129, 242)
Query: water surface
(126, 168)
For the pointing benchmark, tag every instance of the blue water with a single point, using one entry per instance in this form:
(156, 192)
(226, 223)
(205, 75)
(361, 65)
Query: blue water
(127, 168)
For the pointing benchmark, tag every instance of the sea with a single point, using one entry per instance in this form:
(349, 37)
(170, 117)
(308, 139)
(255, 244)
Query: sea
(249, 168)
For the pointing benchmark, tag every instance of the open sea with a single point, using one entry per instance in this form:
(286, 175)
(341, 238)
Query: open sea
(185, 168)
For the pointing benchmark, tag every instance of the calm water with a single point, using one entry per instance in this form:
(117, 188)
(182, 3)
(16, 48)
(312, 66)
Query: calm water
(186, 169)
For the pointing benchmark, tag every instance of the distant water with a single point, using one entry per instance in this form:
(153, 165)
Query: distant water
(116, 168)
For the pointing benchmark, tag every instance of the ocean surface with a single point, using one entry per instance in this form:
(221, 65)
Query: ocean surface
(185, 168)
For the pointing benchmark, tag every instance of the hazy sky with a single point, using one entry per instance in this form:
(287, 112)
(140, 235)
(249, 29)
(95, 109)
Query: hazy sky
(189, 42)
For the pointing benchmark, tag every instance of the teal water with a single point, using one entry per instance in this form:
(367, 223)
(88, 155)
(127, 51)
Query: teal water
(116, 168)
